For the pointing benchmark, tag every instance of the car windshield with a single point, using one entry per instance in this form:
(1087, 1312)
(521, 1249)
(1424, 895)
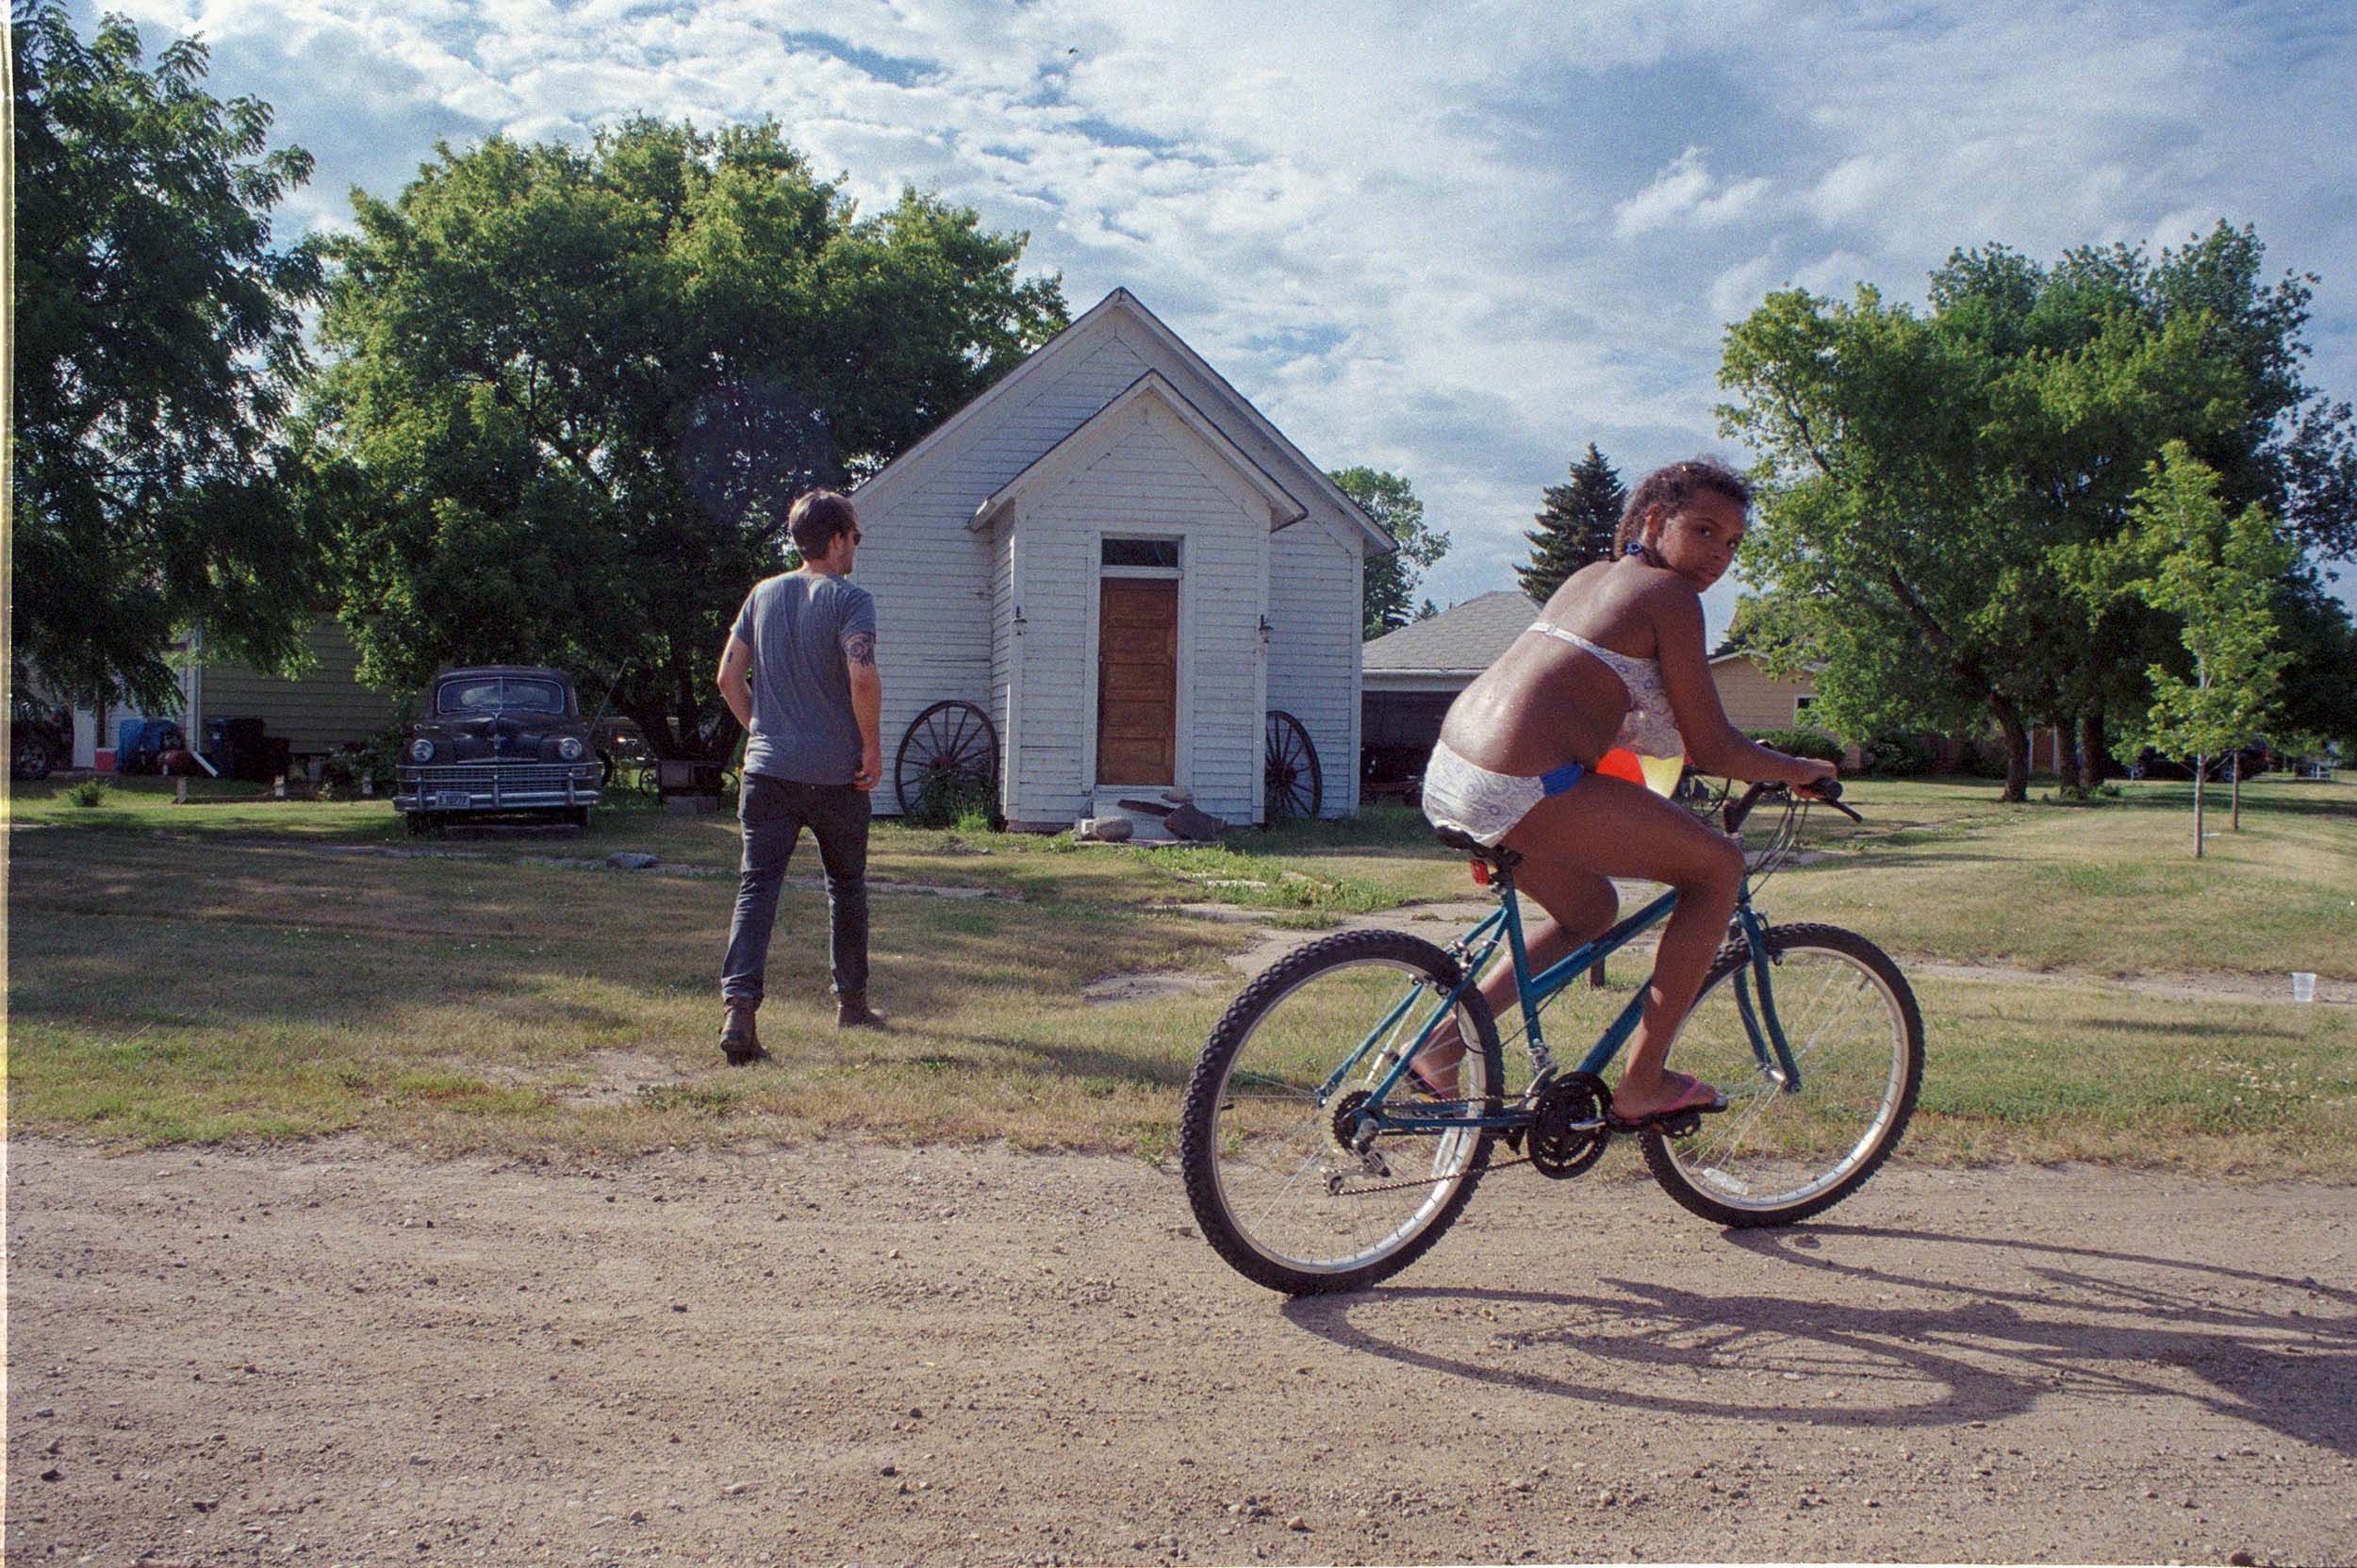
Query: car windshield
(500, 694)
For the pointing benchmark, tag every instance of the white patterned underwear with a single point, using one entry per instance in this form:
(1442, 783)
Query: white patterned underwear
(1482, 805)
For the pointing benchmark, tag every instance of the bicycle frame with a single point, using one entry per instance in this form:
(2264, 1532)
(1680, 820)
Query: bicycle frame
(1477, 948)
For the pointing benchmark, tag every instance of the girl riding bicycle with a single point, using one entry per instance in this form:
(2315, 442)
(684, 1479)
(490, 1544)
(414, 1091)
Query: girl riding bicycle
(1545, 755)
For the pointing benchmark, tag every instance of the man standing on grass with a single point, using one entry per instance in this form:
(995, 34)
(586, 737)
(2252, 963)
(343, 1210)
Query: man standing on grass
(800, 673)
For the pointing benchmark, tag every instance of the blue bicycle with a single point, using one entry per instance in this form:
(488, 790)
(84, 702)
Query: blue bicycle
(1314, 1164)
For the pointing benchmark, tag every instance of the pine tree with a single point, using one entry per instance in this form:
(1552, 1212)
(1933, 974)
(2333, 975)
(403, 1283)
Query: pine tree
(1575, 525)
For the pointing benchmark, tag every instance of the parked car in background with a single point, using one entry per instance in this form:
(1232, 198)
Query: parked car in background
(498, 740)
(39, 737)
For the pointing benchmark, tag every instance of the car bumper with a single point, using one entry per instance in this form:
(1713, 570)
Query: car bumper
(510, 787)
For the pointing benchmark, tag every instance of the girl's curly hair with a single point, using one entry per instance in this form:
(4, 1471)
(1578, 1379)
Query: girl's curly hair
(1668, 487)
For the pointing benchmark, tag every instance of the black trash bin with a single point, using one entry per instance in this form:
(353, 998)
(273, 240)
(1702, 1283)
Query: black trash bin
(235, 747)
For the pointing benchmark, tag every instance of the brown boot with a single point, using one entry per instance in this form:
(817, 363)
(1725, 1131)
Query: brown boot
(740, 1041)
(851, 1012)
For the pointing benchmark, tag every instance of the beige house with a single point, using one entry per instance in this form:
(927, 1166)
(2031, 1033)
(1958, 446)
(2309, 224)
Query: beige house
(1755, 700)
(316, 715)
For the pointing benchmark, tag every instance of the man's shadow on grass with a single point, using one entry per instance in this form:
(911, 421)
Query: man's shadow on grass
(2079, 1332)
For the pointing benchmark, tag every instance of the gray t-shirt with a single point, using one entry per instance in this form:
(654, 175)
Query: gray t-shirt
(801, 626)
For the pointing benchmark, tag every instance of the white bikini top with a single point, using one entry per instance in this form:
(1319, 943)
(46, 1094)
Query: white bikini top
(1651, 729)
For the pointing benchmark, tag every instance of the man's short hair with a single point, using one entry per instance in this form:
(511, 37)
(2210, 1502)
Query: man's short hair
(817, 516)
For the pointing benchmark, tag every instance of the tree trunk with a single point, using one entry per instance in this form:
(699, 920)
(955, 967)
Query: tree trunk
(2201, 765)
(2237, 818)
(2068, 780)
(2095, 760)
(2016, 748)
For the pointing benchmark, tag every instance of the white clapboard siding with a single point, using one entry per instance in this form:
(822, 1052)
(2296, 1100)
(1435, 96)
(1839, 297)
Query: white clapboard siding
(942, 624)
(1314, 650)
(947, 592)
(1161, 480)
(1004, 649)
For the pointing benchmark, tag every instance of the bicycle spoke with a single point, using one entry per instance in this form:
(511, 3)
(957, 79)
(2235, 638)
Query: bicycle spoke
(1778, 1150)
(1275, 1191)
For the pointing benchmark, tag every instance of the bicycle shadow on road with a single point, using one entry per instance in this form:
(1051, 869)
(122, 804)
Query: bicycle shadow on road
(2088, 1325)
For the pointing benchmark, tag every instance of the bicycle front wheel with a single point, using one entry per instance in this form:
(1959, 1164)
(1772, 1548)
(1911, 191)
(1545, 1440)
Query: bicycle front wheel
(1779, 1152)
(1283, 1184)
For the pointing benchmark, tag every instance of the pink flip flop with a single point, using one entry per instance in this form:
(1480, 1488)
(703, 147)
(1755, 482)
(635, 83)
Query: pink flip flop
(1697, 1098)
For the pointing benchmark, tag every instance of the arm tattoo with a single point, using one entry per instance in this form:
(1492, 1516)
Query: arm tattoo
(860, 647)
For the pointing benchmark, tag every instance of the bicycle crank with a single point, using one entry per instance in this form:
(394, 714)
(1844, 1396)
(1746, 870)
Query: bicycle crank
(1567, 1129)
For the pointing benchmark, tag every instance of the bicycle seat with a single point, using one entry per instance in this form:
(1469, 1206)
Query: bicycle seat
(1497, 856)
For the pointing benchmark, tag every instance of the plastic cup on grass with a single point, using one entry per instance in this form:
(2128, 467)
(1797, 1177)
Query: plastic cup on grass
(2304, 985)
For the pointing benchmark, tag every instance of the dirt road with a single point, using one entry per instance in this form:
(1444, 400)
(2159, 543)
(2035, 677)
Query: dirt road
(335, 1354)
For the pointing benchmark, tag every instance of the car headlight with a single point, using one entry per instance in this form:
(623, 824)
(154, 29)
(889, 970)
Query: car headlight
(420, 750)
(570, 749)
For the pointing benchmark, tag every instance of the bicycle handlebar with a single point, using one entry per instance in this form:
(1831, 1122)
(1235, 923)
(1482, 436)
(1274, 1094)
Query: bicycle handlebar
(1829, 794)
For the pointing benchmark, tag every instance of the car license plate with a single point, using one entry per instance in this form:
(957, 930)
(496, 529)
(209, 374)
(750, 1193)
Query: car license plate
(452, 799)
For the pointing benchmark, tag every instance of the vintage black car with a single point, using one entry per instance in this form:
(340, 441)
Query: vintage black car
(498, 740)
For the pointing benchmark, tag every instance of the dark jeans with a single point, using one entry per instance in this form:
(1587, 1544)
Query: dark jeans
(773, 813)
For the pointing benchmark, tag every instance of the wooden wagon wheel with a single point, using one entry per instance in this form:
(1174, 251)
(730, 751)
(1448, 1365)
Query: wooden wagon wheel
(954, 744)
(1293, 783)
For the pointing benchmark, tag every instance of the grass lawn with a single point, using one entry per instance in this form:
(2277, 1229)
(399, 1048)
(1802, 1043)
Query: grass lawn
(243, 969)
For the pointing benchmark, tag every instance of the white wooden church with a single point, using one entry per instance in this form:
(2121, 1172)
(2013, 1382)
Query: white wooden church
(1108, 575)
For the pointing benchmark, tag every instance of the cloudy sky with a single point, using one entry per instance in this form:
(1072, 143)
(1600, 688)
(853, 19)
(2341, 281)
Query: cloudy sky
(1457, 242)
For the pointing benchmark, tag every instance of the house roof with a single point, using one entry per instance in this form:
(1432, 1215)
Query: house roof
(1230, 405)
(1152, 388)
(1463, 640)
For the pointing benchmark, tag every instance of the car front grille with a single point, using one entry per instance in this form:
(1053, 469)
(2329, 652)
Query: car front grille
(506, 776)
(488, 788)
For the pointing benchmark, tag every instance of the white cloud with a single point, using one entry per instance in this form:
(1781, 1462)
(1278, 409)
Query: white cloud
(1735, 291)
(1684, 194)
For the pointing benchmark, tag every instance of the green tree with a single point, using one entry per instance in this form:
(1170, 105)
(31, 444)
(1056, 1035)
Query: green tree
(1769, 630)
(578, 391)
(1876, 538)
(1389, 583)
(2318, 637)
(2106, 355)
(2218, 574)
(1933, 481)
(157, 346)
(1578, 521)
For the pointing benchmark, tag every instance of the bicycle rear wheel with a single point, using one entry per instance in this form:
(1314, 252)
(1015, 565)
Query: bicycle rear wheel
(1267, 1142)
(1775, 1156)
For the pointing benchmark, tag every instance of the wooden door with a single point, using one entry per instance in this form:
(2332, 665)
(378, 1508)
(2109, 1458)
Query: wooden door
(1137, 682)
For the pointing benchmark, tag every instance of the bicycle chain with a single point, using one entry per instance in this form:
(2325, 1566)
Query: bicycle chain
(1428, 1180)
(1574, 1096)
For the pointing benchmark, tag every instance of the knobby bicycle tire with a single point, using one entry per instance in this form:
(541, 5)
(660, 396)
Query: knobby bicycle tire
(1249, 1151)
(1773, 1157)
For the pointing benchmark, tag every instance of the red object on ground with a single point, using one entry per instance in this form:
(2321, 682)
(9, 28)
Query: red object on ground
(1621, 763)
(174, 763)
(103, 760)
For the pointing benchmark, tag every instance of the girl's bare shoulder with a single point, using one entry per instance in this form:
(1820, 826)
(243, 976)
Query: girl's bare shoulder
(1578, 591)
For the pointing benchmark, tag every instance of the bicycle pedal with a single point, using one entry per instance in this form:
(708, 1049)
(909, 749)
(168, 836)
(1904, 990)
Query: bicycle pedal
(1683, 1126)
